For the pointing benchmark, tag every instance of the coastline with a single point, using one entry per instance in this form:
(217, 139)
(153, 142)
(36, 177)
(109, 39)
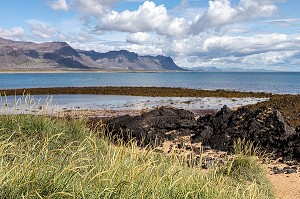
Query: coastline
(130, 71)
(287, 104)
(86, 71)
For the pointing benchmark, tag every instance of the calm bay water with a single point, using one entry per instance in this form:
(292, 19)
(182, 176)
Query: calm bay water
(254, 81)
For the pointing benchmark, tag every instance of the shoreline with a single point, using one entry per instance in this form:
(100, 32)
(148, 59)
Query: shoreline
(85, 71)
(132, 71)
(287, 104)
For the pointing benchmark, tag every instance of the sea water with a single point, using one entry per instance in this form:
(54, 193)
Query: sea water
(274, 82)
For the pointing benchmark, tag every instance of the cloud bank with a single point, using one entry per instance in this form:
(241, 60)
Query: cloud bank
(222, 34)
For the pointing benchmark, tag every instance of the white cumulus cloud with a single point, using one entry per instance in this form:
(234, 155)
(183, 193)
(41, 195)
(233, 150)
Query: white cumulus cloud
(59, 5)
(94, 7)
(42, 29)
(138, 38)
(13, 33)
(148, 18)
(222, 12)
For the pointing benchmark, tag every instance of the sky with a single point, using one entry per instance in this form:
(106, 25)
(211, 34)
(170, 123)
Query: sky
(250, 34)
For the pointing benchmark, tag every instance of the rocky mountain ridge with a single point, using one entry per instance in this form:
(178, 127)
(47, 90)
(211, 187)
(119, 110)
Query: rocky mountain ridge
(17, 55)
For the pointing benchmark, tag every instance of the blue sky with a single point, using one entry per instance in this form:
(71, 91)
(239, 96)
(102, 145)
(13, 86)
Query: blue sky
(249, 34)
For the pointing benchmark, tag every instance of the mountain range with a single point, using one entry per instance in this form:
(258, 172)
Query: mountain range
(17, 55)
(216, 69)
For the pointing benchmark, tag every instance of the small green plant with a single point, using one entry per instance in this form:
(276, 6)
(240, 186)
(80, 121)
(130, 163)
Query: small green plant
(245, 148)
(245, 167)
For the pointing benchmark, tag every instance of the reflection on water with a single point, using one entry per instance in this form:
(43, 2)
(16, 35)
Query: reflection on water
(54, 103)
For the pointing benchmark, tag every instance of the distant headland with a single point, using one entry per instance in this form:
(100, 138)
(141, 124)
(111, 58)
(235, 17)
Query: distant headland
(53, 56)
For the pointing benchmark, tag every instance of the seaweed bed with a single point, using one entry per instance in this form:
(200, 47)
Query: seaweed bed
(288, 105)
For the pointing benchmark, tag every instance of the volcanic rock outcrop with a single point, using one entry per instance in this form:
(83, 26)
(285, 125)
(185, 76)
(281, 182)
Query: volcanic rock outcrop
(264, 127)
(150, 128)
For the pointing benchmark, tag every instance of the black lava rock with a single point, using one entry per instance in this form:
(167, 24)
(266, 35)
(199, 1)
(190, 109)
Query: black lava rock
(265, 127)
(150, 128)
(289, 170)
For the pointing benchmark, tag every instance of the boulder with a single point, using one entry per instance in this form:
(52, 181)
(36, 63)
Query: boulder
(265, 127)
(151, 128)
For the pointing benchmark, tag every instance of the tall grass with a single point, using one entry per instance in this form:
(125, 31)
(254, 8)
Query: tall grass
(27, 104)
(48, 157)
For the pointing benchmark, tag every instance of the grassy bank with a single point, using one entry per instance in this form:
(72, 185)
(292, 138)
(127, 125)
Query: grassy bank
(42, 157)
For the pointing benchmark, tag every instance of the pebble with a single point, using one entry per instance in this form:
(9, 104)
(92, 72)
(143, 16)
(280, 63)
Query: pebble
(275, 168)
(289, 170)
(279, 172)
(285, 170)
(206, 148)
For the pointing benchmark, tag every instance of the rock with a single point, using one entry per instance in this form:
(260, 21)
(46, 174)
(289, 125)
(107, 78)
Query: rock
(265, 127)
(295, 168)
(279, 172)
(204, 134)
(289, 170)
(206, 148)
(275, 168)
(151, 128)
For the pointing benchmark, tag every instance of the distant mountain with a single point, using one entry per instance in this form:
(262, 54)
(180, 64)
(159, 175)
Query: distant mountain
(125, 60)
(203, 69)
(246, 70)
(16, 55)
(215, 69)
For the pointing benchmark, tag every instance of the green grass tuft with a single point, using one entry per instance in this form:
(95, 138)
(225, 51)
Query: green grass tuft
(46, 157)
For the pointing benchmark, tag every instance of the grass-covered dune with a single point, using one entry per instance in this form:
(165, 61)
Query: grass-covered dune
(47, 157)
